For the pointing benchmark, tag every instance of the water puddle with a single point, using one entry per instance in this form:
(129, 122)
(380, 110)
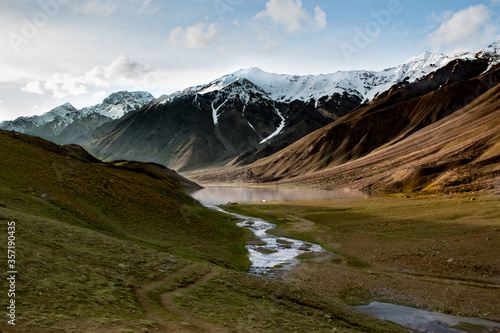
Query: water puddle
(427, 321)
(271, 254)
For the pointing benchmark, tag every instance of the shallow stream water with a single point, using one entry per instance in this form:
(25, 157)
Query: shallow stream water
(427, 321)
(272, 254)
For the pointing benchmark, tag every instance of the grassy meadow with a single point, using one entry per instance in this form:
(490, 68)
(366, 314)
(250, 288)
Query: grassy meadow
(103, 247)
(437, 252)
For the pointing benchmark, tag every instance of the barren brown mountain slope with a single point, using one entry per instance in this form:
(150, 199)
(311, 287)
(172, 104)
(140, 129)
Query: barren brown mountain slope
(459, 152)
(445, 138)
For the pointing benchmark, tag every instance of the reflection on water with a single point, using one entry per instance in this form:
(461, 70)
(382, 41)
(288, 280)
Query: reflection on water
(221, 195)
(427, 321)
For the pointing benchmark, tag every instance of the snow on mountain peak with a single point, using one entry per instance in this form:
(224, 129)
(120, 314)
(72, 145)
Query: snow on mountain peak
(57, 112)
(490, 53)
(364, 84)
(118, 104)
(114, 107)
(67, 105)
(361, 83)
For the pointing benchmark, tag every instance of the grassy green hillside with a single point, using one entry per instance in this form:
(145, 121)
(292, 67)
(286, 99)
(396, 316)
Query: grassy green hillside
(55, 182)
(118, 247)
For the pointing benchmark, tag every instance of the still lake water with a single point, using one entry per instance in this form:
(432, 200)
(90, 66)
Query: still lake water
(221, 195)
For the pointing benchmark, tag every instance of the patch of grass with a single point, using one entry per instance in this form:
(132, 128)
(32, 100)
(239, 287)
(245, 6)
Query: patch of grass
(265, 250)
(336, 261)
(271, 306)
(133, 203)
(88, 233)
(305, 256)
(356, 262)
(180, 281)
(68, 271)
(471, 328)
(283, 241)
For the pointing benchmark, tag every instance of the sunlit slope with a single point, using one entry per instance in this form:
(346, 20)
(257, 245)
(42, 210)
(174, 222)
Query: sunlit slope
(438, 133)
(388, 118)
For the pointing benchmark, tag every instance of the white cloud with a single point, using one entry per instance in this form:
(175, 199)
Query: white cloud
(121, 72)
(65, 84)
(290, 15)
(465, 30)
(196, 36)
(34, 87)
(437, 18)
(320, 18)
(99, 96)
(99, 7)
(145, 6)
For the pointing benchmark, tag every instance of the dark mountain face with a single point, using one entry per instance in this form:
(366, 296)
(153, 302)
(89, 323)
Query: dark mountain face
(245, 116)
(197, 130)
(392, 116)
(426, 134)
(301, 119)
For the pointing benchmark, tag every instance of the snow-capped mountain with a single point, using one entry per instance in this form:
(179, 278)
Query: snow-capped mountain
(363, 84)
(64, 123)
(428, 135)
(118, 104)
(64, 113)
(250, 114)
(243, 116)
(250, 85)
(490, 54)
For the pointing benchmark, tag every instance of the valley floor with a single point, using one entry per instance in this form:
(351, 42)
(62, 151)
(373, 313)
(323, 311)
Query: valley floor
(439, 253)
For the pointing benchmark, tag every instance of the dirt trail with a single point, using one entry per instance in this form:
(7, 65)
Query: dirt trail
(171, 318)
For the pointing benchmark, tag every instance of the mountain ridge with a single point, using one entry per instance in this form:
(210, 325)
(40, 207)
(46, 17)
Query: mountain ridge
(250, 114)
(56, 124)
(279, 87)
(424, 136)
(270, 111)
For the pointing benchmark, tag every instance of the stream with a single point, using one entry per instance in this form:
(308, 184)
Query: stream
(428, 321)
(271, 254)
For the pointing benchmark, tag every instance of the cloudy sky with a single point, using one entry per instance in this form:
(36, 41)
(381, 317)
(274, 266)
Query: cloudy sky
(80, 51)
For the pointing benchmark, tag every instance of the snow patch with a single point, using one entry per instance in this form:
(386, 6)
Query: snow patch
(215, 110)
(252, 127)
(278, 130)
